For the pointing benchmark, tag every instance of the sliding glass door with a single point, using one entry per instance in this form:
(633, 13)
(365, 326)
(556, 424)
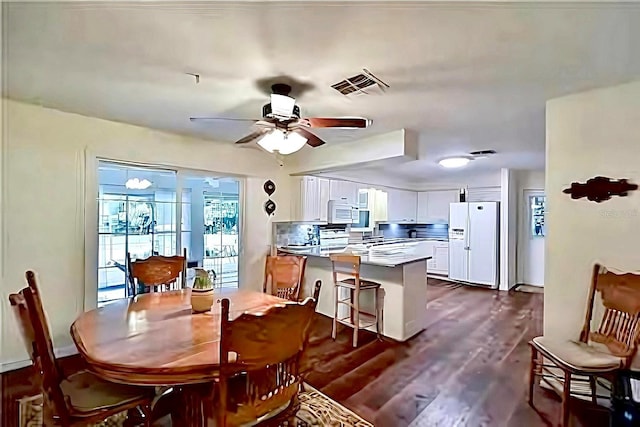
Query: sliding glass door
(214, 225)
(139, 214)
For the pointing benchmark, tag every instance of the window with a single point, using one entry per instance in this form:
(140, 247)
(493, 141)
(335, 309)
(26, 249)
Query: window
(537, 207)
(138, 213)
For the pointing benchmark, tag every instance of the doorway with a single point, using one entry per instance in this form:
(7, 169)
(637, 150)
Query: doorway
(531, 241)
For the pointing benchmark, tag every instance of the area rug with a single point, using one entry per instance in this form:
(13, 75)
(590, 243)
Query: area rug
(316, 409)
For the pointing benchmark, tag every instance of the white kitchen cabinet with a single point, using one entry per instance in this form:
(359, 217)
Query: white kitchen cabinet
(433, 206)
(421, 207)
(314, 199)
(345, 191)
(441, 258)
(402, 205)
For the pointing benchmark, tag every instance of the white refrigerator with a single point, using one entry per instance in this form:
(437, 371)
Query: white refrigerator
(474, 243)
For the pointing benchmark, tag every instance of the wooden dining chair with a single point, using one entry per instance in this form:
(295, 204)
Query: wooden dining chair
(598, 353)
(283, 275)
(82, 398)
(157, 272)
(260, 363)
(349, 265)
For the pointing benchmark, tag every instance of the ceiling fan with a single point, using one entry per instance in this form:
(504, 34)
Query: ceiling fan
(281, 128)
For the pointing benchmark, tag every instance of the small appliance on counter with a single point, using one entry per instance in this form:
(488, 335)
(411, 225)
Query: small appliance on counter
(413, 234)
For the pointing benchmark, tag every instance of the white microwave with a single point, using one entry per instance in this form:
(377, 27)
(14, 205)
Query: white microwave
(341, 213)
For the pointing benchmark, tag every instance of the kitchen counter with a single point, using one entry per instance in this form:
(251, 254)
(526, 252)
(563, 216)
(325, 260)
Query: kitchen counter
(403, 280)
(392, 261)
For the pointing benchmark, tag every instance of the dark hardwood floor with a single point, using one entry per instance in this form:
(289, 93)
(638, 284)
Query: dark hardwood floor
(468, 368)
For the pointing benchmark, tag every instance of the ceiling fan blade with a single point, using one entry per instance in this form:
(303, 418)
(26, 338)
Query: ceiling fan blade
(312, 139)
(252, 136)
(193, 119)
(335, 122)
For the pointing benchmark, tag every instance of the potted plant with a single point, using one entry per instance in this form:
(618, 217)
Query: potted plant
(202, 291)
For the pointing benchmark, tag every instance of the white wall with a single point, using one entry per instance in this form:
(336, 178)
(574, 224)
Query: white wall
(508, 228)
(588, 134)
(44, 196)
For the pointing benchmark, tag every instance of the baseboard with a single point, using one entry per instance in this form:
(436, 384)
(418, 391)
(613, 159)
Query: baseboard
(437, 276)
(69, 350)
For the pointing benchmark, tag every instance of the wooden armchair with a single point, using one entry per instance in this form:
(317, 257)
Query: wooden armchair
(598, 353)
(283, 275)
(157, 272)
(82, 398)
(260, 363)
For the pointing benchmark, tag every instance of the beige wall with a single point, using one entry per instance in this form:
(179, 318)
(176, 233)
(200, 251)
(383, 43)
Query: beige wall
(589, 134)
(44, 210)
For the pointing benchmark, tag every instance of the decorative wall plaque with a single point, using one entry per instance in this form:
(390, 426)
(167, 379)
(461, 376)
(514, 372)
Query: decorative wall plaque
(600, 188)
(269, 207)
(269, 187)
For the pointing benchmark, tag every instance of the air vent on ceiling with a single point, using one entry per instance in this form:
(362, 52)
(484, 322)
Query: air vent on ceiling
(483, 153)
(357, 84)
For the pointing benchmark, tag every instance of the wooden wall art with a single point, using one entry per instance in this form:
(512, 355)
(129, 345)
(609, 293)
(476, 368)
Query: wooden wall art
(600, 188)
(269, 207)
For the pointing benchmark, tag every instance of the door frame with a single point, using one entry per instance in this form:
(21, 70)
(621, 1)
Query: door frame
(524, 237)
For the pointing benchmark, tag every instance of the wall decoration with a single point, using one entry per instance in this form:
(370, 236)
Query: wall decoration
(600, 188)
(269, 207)
(269, 187)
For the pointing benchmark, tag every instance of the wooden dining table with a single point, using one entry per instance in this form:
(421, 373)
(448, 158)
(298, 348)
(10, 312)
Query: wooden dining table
(155, 340)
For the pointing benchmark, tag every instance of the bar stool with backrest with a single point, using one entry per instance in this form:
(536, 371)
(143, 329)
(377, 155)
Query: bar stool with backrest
(80, 399)
(598, 353)
(283, 276)
(157, 272)
(349, 265)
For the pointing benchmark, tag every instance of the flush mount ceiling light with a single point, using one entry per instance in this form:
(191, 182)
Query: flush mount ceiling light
(283, 143)
(454, 162)
(136, 184)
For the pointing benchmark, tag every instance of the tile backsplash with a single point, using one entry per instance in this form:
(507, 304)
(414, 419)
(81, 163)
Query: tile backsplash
(292, 234)
(424, 231)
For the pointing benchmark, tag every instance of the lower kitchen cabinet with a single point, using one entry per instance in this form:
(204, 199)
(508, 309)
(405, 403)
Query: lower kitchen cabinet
(441, 258)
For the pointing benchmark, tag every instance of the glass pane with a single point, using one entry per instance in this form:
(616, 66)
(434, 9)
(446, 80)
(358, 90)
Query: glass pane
(137, 215)
(210, 214)
(537, 206)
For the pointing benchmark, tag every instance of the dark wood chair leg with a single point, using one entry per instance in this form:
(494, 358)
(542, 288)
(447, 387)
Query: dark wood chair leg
(532, 373)
(566, 396)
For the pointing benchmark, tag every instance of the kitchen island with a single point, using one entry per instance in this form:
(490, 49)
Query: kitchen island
(403, 279)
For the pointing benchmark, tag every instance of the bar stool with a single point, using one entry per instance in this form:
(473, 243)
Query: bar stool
(349, 265)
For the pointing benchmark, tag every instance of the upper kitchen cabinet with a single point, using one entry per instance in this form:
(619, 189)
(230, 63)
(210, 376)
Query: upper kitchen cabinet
(345, 191)
(433, 206)
(402, 205)
(314, 199)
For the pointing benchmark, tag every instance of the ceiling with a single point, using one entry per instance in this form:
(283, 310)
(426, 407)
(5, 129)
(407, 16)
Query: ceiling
(466, 76)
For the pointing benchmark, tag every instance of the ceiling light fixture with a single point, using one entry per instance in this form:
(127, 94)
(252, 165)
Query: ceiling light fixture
(283, 143)
(136, 184)
(454, 162)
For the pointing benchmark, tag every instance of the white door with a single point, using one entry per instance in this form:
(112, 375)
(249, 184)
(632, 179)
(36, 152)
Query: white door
(483, 243)
(531, 242)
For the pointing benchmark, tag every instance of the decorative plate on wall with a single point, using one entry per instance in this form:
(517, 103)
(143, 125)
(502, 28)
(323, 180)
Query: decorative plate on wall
(269, 207)
(269, 187)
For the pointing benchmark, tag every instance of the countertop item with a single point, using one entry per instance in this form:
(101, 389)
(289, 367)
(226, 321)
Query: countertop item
(383, 261)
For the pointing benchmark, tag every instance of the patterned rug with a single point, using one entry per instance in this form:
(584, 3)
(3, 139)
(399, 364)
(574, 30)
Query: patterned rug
(316, 409)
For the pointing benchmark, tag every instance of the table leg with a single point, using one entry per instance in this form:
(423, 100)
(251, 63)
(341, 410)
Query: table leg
(195, 407)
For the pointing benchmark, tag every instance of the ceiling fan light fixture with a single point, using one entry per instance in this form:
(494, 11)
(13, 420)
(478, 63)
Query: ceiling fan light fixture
(282, 143)
(454, 162)
(282, 105)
